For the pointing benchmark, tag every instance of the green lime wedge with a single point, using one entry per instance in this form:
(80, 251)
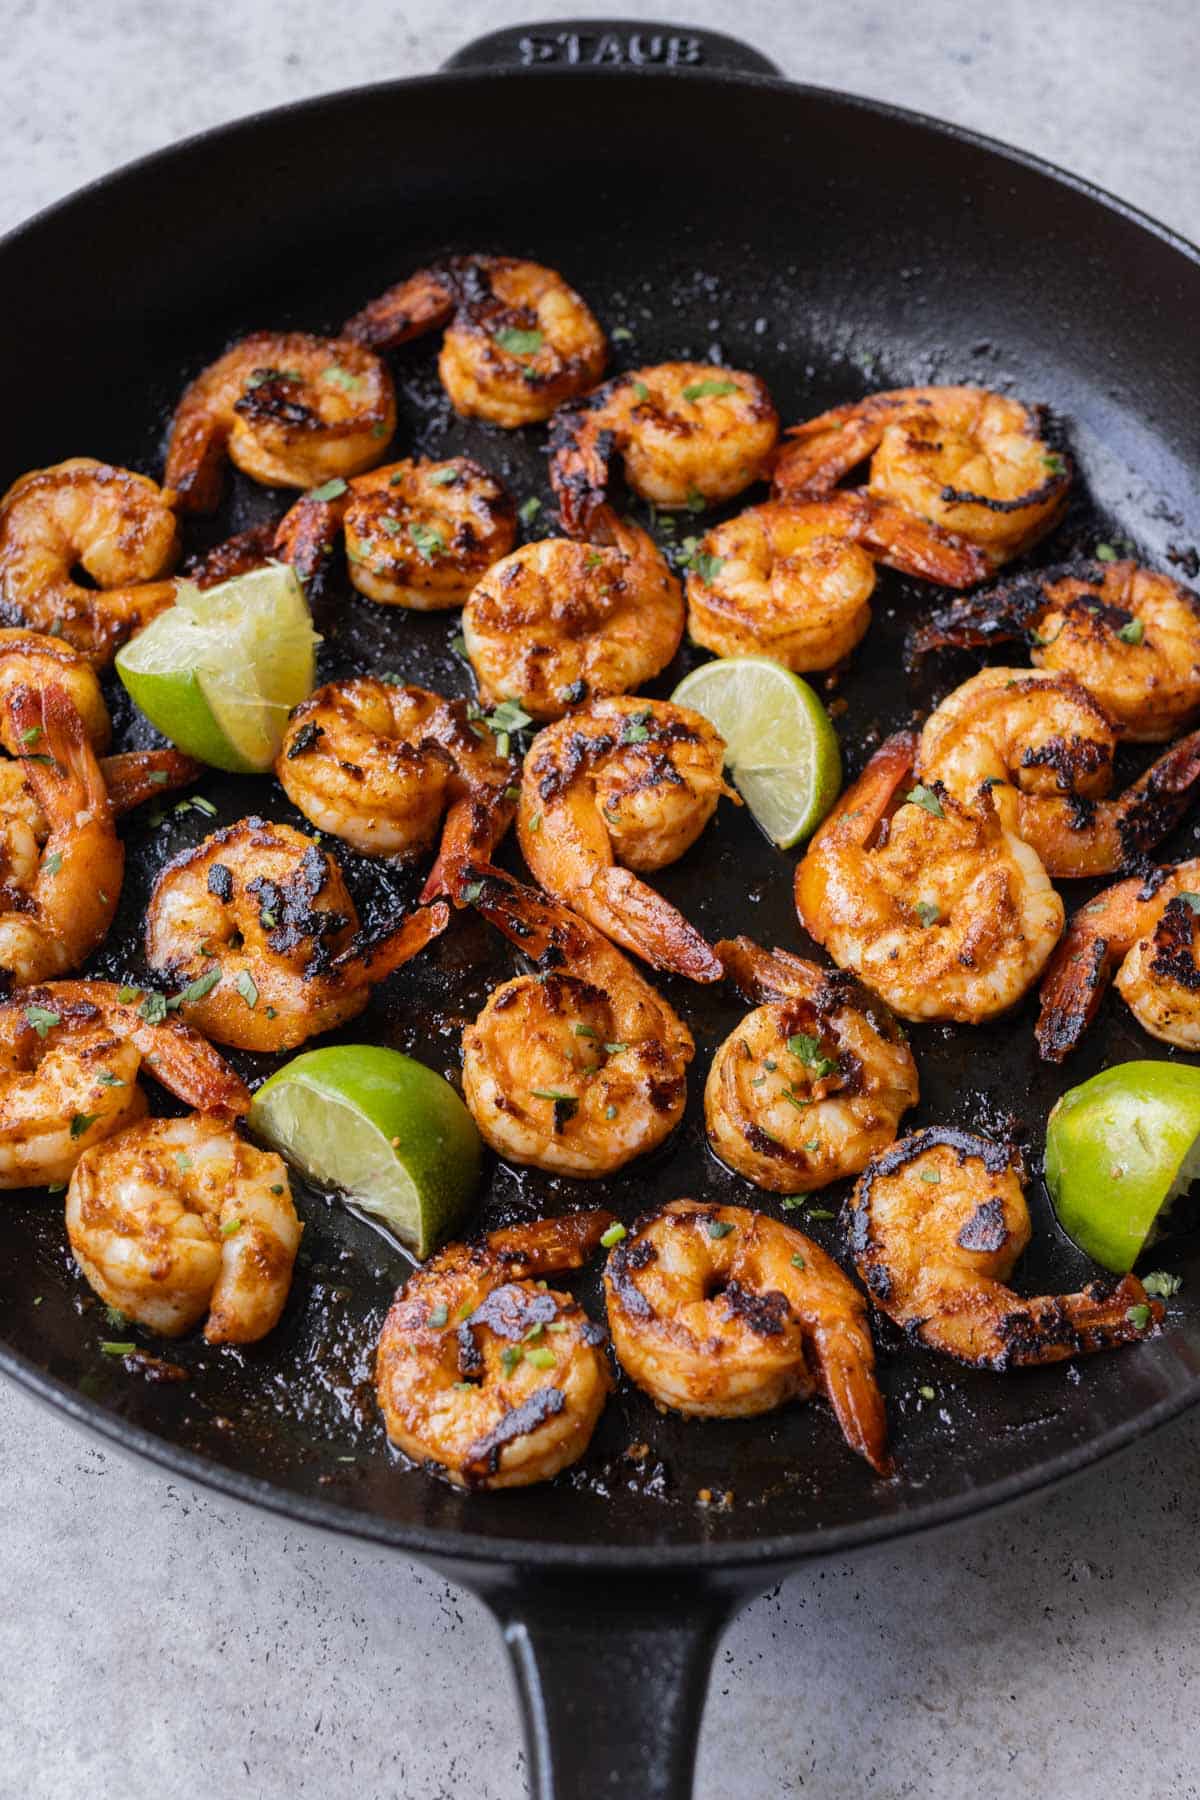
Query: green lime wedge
(386, 1131)
(220, 671)
(1120, 1149)
(780, 748)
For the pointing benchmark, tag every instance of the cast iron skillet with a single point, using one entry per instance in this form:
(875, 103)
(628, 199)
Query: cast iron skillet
(835, 246)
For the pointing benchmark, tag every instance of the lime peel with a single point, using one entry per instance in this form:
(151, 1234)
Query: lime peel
(780, 747)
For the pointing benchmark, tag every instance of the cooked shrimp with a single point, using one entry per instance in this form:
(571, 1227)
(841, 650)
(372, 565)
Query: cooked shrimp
(519, 341)
(57, 897)
(973, 462)
(716, 1311)
(1130, 635)
(937, 1225)
(578, 1068)
(794, 581)
(380, 765)
(257, 928)
(938, 909)
(118, 527)
(178, 1218)
(1146, 925)
(418, 534)
(288, 409)
(557, 623)
(685, 432)
(34, 659)
(1045, 747)
(628, 781)
(811, 1083)
(70, 1056)
(485, 1378)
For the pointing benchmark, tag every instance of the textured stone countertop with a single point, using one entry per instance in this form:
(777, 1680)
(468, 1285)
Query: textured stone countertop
(156, 1642)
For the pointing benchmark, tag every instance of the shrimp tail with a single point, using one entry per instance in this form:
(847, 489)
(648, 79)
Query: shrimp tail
(580, 462)
(1154, 804)
(473, 830)
(409, 309)
(195, 465)
(991, 1328)
(135, 776)
(237, 555)
(915, 547)
(999, 615)
(762, 975)
(58, 761)
(1082, 966)
(822, 450)
(868, 800)
(635, 916)
(307, 531)
(547, 1246)
(541, 929)
(846, 1363)
(373, 962)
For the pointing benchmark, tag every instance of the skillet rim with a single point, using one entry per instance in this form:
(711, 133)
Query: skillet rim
(473, 1547)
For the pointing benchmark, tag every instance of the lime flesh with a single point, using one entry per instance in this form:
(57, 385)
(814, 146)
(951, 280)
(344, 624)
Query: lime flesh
(389, 1133)
(780, 748)
(220, 671)
(1120, 1149)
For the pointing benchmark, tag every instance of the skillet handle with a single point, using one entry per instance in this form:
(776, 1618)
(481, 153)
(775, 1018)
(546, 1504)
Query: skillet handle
(612, 1681)
(612, 44)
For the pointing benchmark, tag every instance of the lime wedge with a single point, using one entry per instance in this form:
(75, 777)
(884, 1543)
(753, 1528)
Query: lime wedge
(780, 748)
(1120, 1149)
(220, 671)
(385, 1130)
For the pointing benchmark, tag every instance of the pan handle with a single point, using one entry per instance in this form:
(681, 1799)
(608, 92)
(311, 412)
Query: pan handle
(612, 1681)
(609, 44)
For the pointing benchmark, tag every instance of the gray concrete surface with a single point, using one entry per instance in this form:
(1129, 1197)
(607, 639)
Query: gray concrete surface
(155, 1642)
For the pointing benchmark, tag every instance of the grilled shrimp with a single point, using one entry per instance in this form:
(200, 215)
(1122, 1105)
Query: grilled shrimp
(1045, 747)
(380, 765)
(57, 897)
(519, 342)
(70, 1056)
(119, 528)
(485, 1378)
(937, 1225)
(716, 1311)
(1130, 635)
(685, 431)
(811, 1083)
(578, 1068)
(1146, 925)
(971, 461)
(794, 581)
(557, 623)
(178, 1218)
(938, 909)
(417, 534)
(288, 409)
(631, 782)
(34, 659)
(257, 929)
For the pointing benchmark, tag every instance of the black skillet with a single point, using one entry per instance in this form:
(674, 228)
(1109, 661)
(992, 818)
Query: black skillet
(835, 246)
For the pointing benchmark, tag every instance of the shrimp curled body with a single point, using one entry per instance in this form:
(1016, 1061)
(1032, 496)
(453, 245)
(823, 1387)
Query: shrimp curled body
(487, 1379)
(288, 409)
(687, 433)
(519, 341)
(557, 622)
(938, 1223)
(718, 1312)
(257, 928)
(118, 527)
(812, 1082)
(794, 581)
(581, 1067)
(178, 1218)
(973, 462)
(623, 781)
(933, 905)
